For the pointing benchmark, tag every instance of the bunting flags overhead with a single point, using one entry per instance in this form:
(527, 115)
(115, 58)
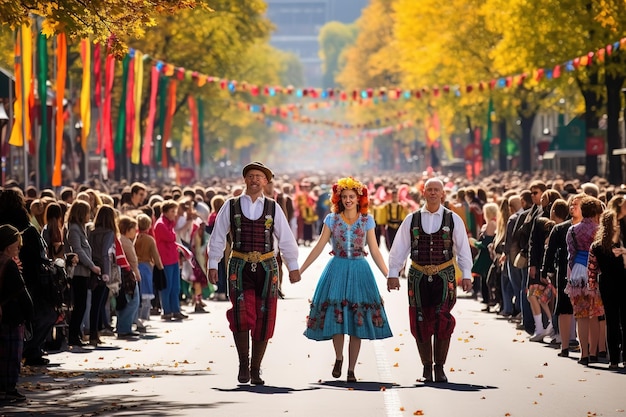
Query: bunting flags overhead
(385, 93)
(147, 149)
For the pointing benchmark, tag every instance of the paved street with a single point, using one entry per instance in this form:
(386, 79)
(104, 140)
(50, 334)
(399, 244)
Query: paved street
(189, 369)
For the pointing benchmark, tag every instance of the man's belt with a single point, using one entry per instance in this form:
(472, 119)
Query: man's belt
(253, 257)
(432, 269)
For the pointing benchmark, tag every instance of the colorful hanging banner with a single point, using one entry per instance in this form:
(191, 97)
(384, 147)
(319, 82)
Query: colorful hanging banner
(130, 108)
(136, 147)
(193, 112)
(97, 95)
(23, 74)
(163, 92)
(146, 152)
(42, 90)
(120, 134)
(109, 74)
(169, 117)
(57, 174)
(85, 93)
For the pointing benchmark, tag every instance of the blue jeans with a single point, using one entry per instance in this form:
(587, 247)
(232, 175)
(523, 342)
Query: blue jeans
(527, 315)
(515, 277)
(507, 291)
(126, 316)
(170, 301)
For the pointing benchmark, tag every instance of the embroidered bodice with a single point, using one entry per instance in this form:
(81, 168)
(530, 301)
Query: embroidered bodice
(349, 240)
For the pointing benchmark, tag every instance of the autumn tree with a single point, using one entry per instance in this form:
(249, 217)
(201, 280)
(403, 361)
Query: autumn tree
(334, 38)
(372, 62)
(98, 19)
(543, 34)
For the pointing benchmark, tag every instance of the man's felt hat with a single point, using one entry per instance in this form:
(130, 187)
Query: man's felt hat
(259, 166)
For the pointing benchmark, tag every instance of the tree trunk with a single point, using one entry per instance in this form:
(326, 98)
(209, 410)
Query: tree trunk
(592, 103)
(526, 149)
(503, 155)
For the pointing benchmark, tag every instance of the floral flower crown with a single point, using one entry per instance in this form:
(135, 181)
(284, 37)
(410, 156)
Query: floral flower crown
(350, 183)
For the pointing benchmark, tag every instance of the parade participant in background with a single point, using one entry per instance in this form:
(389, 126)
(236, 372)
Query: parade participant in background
(17, 308)
(432, 236)
(220, 293)
(394, 213)
(346, 300)
(254, 222)
(306, 208)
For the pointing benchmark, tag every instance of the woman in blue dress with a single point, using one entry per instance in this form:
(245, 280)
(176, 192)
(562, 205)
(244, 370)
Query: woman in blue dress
(346, 300)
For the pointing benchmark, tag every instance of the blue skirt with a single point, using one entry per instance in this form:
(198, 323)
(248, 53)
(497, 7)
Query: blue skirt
(347, 301)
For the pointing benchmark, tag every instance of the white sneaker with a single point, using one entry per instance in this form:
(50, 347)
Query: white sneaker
(538, 336)
(549, 331)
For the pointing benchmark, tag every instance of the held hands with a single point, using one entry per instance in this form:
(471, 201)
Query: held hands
(96, 270)
(213, 276)
(294, 276)
(466, 284)
(393, 284)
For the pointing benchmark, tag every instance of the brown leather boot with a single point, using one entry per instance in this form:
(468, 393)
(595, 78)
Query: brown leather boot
(425, 350)
(242, 342)
(441, 353)
(258, 351)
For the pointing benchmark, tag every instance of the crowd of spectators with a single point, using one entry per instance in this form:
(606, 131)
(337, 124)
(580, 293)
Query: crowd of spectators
(549, 255)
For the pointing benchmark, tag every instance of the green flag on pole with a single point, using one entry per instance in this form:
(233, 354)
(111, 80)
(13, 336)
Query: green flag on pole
(491, 115)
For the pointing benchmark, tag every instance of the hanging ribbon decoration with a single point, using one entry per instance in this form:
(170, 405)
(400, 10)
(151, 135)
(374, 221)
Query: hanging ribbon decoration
(120, 134)
(57, 177)
(109, 74)
(200, 134)
(23, 74)
(163, 91)
(97, 95)
(136, 148)
(130, 108)
(146, 152)
(42, 89)
(193, 113)
(169, 117)
(85, 93)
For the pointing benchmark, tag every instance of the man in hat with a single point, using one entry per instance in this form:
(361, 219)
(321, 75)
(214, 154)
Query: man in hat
(254, 222)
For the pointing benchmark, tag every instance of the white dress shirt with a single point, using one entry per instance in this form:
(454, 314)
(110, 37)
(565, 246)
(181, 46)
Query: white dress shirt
(282, 232)
(431, 222)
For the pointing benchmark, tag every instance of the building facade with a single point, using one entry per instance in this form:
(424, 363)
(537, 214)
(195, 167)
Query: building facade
(298, 24)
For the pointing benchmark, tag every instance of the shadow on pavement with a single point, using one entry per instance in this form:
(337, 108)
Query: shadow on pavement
(49, 393)
(263, 389)
(452, 386)
(358, 386)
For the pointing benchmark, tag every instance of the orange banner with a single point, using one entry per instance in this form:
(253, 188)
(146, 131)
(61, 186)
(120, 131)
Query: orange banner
(57, 175)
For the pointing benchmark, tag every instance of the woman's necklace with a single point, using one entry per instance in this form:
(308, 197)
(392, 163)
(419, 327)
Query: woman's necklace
(349, 220)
